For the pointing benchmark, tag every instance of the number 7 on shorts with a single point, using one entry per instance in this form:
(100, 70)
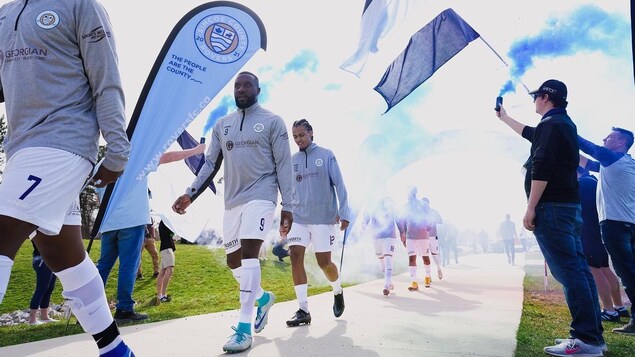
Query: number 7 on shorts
(36, 181)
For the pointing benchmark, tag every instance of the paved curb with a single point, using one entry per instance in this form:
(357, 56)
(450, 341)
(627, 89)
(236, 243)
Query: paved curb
(475, 310)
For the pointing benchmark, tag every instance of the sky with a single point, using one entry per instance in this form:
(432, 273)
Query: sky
(444, 138)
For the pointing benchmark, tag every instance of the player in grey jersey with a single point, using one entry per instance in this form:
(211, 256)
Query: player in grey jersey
(254, 145)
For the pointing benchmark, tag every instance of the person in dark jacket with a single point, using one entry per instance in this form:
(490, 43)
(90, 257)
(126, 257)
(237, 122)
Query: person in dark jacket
(554, 214)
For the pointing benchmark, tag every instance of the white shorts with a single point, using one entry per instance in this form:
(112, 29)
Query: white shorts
(320, 236)
(434, 245)
(41, 186)
(167, 258)
(249, 221)
(419, 247)
(385, 246)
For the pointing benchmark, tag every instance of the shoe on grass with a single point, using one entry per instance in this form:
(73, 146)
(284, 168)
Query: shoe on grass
(607, 316)
(623, 311)
(572, 347)
(628, 329)
(123, 316)
(603, 346)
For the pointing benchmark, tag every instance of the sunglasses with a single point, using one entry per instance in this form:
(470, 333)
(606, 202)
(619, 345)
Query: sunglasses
(536, 96)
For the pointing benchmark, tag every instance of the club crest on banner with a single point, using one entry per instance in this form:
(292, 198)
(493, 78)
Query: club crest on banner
(221, 38)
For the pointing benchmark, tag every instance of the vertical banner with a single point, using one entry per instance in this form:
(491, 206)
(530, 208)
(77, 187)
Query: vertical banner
(204, 51)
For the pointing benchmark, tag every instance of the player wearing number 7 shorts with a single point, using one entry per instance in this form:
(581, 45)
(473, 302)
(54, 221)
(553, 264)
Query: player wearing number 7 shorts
(61, 88)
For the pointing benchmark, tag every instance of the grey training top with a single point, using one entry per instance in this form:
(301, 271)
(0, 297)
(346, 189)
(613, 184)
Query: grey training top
(59, 77)
(254, 145)
(317, 179)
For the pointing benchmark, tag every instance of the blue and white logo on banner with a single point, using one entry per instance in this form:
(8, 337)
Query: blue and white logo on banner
(222, 39)
(204, 51)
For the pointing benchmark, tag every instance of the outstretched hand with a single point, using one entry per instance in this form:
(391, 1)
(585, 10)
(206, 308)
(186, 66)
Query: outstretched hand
(181, 204)
(104, 176)
(502, 113)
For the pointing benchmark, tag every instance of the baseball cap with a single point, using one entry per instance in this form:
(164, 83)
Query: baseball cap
(554, 88)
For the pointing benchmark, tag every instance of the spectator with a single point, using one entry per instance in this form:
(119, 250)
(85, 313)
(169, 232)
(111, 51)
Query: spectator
(507, 231)
(616, 206)
(553, 213)
(44, 285)
(596, 255)
(168, 262)
(148, 244)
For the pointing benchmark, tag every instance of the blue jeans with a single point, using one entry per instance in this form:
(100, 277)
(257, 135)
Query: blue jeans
(44, 284)
(619, 240)
(124, 244)
(558, 235)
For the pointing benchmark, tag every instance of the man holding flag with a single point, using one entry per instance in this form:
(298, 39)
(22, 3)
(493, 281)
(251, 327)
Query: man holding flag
(254, 144)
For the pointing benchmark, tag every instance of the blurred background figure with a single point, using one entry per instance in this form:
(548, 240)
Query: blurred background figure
(507, 232)
(44, 285)
(148, 244)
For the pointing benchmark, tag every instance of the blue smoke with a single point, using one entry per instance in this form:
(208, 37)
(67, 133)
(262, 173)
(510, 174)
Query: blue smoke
(509, 86)
(220, 111)
(305, 60)
(587, 29)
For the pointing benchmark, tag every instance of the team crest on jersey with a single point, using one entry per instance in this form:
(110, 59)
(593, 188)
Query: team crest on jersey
(229, 145)
(259, 127)
(47, 19)
(319, 162)
(298, 178)
(221, 38)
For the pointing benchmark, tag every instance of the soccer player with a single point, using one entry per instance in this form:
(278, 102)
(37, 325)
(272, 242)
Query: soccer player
(317, 190)
(61, 85)
(381, 224)
(414, 229)
(254, 144)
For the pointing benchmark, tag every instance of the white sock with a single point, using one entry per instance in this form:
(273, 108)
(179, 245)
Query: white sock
(84, 289)
(302, 295)
(249, 283)
(5, 273)
(413, 272)
(337, 286)
(427, 269)
(382, 264)
(388, 272)
(236, 274)
(437, 262)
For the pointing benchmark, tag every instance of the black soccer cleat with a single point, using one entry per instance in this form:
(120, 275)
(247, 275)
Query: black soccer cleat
(300, 317)
(338, 304)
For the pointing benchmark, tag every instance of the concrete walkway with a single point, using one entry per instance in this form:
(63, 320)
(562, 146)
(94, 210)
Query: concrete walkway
(474, 311)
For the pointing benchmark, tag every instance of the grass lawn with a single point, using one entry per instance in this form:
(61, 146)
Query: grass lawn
(545, 316)
(202, 284)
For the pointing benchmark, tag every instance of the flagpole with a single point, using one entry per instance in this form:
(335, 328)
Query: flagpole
(546, 281)
(343, 245)
(502, 60)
